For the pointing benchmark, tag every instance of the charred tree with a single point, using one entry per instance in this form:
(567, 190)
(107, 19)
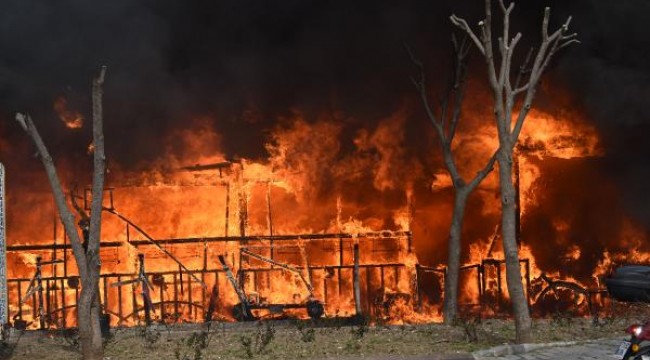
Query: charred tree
(88, 261)
(445, 124)
(509, 122)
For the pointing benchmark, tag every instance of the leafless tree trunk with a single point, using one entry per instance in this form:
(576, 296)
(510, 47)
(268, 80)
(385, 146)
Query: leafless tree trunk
(505, 96)
(445, 125)
(88, 262)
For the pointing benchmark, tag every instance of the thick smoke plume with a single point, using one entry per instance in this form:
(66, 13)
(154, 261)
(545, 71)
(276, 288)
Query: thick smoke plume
(239, 68)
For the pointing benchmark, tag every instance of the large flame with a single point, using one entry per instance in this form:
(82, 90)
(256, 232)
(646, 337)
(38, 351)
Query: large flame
(321, 177)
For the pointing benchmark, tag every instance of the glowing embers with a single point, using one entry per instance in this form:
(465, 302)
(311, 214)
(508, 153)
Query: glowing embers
(71, 118)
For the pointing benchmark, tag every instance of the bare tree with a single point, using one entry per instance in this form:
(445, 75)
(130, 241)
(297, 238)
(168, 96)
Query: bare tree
(445, 125)
(88, 261)
(509, 124)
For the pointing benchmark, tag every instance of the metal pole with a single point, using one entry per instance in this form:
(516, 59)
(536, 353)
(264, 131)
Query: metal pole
(528, 282)
(119, 301)
(39, 283)
(498, 267)
(65, 255)
(357, 288)
(146, 300)
(4, 295)
(227, 208)
(63, 312)
(269, 214)
(54, 245)
(269, 218)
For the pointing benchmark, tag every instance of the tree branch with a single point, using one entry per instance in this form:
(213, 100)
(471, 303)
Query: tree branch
(504, 43)
(73, 200)
(67, 218)
(542, 59)
(483, 173)
(459, 85)
(420, 85)
(462, 24)
(523, 69)
(547, 15)
(99, 165)
(486, 28)
(456, 87)
(510, 51)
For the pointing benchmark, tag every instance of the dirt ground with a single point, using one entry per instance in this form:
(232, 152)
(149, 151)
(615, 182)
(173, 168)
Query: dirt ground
(307, 340)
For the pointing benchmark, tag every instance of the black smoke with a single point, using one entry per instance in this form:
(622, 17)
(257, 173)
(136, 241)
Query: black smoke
(169, 61)
(609, 73)
(244, 63)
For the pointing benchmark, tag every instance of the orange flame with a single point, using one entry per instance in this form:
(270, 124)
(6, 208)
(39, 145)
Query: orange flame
(71, 118)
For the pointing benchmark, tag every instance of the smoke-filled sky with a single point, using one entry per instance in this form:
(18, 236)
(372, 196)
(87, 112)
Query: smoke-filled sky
(244, 63)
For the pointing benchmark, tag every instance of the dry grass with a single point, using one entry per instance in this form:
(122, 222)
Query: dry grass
(300, 340)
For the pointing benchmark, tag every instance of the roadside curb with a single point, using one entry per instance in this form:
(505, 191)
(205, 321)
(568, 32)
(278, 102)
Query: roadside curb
(517, 349)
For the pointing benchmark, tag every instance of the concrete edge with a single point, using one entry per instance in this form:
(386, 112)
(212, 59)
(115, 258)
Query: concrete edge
(517, 349)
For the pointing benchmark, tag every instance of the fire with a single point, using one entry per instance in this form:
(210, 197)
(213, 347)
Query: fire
(28, 258)
(321, 188)
(566, 136)
(71, 118)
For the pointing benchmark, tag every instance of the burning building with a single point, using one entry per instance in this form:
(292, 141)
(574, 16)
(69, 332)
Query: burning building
(284, 180)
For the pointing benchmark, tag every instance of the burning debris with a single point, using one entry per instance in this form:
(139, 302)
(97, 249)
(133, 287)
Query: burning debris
(71, 118)
(181, 218)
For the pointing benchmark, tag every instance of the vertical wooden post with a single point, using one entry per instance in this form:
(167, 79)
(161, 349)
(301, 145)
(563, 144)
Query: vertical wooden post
(418, 298)
(119, 301)
(242, 206)
(20, 300)
(325, 289)
(368, 287)
(478, 281)
(410, 209)
(203, 293)
(227, 207)
(146, 299)
(214, 298)
(528, 282)
(416, 287)
(63, 312)
(48, 303)
(338, 284)
(269, 217)
(357, 287)
(499, 297)
(269, 214)
(189, 298)
(105, 295)
(175, 296)
(481, 271)
(205, 256)
(39, 283)
(147, 312)
(4, 291)
(161, 297)
(65, 255)
(54, 246)
(396, 283)
(180, 277)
